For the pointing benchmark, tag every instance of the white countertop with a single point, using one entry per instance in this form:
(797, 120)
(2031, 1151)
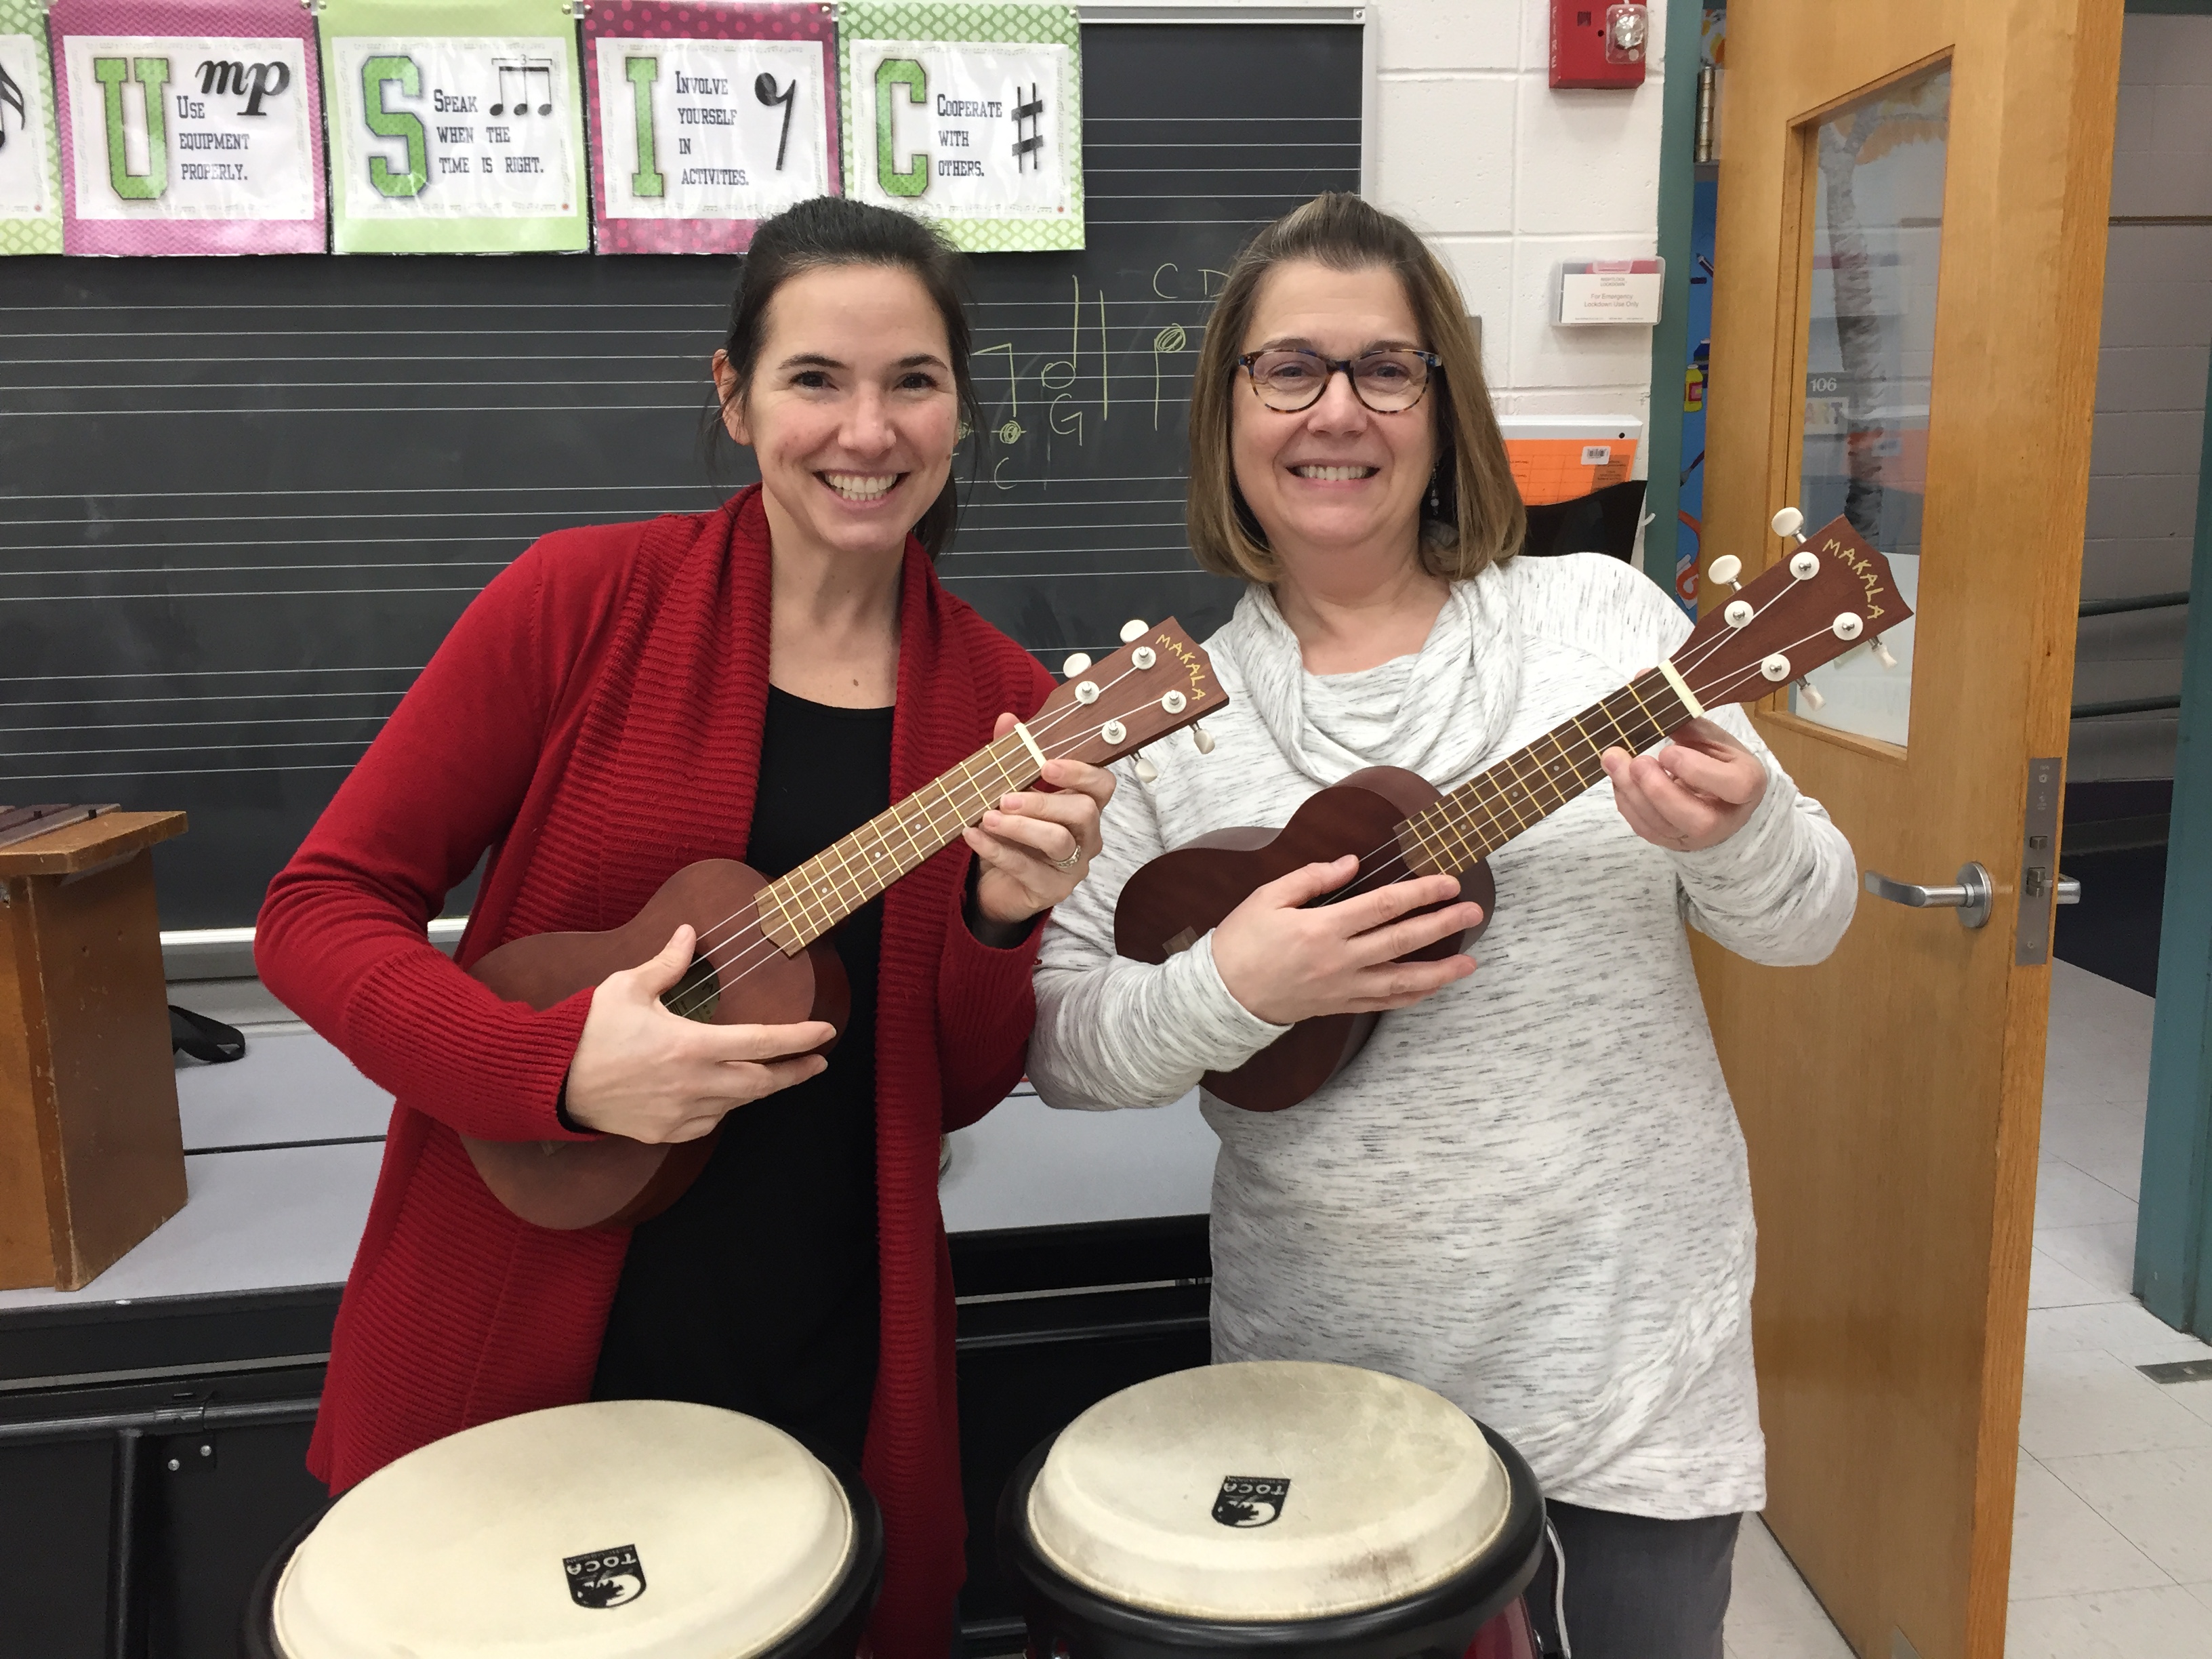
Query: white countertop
(282, 1149)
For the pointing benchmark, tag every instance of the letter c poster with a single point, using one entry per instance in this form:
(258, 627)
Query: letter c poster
(456, 127)
(189, 126)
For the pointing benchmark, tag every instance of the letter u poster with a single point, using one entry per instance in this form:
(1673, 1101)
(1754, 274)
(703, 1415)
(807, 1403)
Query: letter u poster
(706, 119)
(188, 126)
(456, 127)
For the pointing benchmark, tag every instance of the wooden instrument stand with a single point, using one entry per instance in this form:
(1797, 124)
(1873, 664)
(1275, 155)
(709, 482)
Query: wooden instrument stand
(91, 1154)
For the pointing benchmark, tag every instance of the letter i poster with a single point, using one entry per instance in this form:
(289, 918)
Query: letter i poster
(706, 119)
(971, 115)
(188, 126)
(456, 127)
(30, 183)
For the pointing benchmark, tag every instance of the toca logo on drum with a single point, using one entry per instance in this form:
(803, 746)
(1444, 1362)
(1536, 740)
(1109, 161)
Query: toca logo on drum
(1251, 1500)
(605, 1578)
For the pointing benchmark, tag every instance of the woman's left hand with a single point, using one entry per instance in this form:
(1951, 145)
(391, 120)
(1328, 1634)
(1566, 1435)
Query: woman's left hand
(1035, 846)
(1694, 794)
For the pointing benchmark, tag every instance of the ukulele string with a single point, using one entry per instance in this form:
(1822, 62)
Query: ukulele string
(757, 955)
(712, 937)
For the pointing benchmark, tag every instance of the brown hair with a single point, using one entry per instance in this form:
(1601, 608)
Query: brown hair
(1481, 520)
(829, 231)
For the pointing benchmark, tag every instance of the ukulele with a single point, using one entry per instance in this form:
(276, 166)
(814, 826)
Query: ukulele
(763, 956)
(1833, 594)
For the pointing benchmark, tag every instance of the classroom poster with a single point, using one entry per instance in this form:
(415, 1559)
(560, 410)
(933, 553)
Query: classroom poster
(971, 115)
(455, 127)
(30, 182)
(189, 126)
(706, 118)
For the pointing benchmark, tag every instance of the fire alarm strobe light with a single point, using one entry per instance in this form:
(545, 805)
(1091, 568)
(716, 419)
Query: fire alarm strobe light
(1595, 43)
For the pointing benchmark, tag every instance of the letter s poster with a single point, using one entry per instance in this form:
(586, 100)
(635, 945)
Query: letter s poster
(456, 127)
(188, 126)
(971, 115)
(30, 184)
(706, 119)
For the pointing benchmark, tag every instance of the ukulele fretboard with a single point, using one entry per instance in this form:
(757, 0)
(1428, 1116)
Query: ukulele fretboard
(1497, 804)
(800, 906)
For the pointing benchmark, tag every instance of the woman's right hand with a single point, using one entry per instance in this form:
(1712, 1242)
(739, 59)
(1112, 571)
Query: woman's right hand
(1285, 963)
(643, 1071)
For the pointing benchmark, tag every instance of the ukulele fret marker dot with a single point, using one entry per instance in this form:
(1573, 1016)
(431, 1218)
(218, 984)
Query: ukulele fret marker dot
(1738, 614)
(1804, 566)
(1175, 702)
(1114, 732)
(1775, 668)
(1086, 691)
(1846, 626)
(1143, 656)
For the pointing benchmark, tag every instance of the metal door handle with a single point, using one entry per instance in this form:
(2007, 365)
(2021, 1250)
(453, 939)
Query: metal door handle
(1969, 896)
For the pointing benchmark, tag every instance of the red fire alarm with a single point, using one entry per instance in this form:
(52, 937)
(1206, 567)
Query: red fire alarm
(1599, 42)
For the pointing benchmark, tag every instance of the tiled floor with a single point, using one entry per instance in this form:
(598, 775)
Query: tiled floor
(2112, 1524)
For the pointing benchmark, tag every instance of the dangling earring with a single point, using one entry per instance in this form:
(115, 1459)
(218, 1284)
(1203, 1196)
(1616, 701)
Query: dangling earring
(1438, 530)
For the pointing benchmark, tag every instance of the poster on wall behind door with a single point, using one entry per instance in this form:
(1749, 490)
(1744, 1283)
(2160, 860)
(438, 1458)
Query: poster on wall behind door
(705, 118)
(30, 181)
(193, 126)
(969, 115)
(456, 127)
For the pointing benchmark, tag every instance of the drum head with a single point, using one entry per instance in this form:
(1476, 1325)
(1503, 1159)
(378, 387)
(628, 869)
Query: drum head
(1269, 1491)
(634, 1527)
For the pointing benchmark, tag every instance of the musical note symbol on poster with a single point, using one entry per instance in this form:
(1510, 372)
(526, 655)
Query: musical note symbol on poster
(764, 89)
(11, 97)
(1031, 148)
(524, 69)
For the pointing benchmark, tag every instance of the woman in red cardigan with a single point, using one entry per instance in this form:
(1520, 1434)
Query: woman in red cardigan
(621, 701)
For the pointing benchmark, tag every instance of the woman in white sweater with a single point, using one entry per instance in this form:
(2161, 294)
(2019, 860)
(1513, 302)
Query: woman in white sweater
(1529, 1191)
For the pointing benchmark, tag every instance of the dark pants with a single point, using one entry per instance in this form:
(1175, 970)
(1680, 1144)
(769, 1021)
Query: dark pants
(1636, 1588)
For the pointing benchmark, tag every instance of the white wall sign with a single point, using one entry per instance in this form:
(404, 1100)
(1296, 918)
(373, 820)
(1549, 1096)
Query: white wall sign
(179, 127)
(1611, 291)
(712, 128)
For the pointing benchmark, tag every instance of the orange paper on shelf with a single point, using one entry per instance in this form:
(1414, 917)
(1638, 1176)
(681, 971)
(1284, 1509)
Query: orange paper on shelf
(1559, 469)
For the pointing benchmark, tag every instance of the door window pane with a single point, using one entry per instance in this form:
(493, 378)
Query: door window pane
(1877, 230)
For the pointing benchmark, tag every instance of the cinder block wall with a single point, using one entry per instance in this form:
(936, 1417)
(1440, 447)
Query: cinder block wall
(1509, 177)
(2150, 392)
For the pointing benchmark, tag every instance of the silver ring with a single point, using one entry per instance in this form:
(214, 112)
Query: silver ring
(1070, 861)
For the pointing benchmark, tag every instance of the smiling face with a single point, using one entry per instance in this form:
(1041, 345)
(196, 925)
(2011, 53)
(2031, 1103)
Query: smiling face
(852, 411)
(1336, 477)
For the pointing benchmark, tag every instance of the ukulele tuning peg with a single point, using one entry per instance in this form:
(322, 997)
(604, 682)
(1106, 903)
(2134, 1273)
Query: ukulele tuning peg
(1725, 568)
(1809, 694)
(1881, 655)
(1788, 522)
(1075, 665)
(1200, 739)
(1135, 630)
(1147, 772)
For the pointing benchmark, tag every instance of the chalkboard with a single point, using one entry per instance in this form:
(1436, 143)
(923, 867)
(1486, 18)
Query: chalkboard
(242, 499)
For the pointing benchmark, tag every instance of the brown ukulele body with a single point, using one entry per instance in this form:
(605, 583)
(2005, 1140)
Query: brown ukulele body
(738, 978)
(1178, 898)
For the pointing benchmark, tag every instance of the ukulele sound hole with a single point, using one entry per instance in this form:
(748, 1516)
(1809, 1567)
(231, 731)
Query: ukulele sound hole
(695, 995)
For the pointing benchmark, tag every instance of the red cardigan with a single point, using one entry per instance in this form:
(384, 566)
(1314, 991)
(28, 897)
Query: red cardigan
(594, 720)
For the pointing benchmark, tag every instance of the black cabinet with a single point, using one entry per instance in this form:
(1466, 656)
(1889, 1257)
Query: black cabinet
(152, 1455)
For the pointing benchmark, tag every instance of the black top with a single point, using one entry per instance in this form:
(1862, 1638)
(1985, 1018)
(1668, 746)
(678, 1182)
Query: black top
(756, 1291)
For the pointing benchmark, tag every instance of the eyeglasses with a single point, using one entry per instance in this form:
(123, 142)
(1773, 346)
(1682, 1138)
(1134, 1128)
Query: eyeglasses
(1388, 382)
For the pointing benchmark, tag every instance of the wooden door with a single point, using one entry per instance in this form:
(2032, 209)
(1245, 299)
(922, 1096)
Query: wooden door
(1910, 259)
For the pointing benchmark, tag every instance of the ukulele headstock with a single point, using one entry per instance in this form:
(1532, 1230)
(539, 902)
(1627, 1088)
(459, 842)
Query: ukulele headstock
(1831, 595)
(1160, 681)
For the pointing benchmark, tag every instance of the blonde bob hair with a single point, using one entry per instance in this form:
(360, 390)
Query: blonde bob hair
(1479, 521)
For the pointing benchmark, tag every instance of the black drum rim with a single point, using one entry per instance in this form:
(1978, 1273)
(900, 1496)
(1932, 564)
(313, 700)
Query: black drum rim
(1478, 1593)
(850, 1603)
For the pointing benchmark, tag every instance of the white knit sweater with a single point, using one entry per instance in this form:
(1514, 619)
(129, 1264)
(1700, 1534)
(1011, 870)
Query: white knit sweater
(1529, 1192)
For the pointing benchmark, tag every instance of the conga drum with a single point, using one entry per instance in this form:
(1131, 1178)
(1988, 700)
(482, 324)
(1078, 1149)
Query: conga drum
(1274, 1507)
(619, 1529)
